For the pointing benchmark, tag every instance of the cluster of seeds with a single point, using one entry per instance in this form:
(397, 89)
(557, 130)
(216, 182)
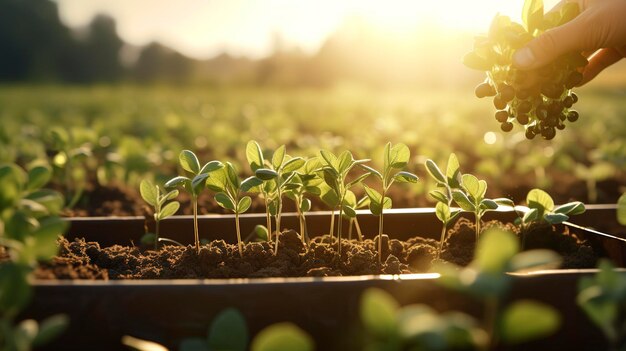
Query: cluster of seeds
(540, 100)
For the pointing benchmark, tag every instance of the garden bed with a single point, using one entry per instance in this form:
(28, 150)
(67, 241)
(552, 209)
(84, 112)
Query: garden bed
(169, 310)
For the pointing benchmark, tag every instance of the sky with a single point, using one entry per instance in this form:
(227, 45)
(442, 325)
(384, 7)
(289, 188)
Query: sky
(206, 28)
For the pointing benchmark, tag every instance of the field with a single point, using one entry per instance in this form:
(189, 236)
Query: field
(120, 134)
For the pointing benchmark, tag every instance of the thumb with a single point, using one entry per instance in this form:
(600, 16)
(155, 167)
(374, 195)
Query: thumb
(550, 45)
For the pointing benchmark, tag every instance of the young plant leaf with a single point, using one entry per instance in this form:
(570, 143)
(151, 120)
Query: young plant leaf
(535, 259)
(442, 211)
(555, 218)
(357, 180)
(525, 320)
(472, 185)
(249, 183)
(148, 192)
(570, 208)
(50, 328)
(282, 336)
(211, 166)
(488, 204)
(225, 201)
(349, 211)
(378, 311)
(168, 210)
(189, 161)
(540, 200)
(495, 249)
(373, 195)
(254, 155)
(279, 157)
(293, 164)
(462, 200)
(38, 176)
(345, 161)
(405, 177)
(453, 173)
(176, 181)
(439, 196)
(372, 171)
(531, 215)
(399, 156)
(435, 172)
(228, 331)
(266, 174)
(305, 206)
(198, 182)
(244, 204)
(170, 196)
(330, 159)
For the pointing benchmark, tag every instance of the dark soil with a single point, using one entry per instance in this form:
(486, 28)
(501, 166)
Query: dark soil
(87, 260)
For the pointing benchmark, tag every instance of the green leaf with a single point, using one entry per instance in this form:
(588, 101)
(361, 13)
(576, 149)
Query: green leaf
(170, 196)
(532, 14)
(453, 172)
(15, 289)
(472, 186)
(331, 177)
(250, 183)
(348, 211)
(435, 172)
(177, 181)
(357, 180)
(462, 200)
(217, 181)
(571, 208)
(233, 178)
(305, 206)
(535, 259)
(488, 204)
(378, 310)
(387, 203)
(282, 337)
(442, 211)
(189, 161)
(372, 171)
(527, 320)
(387, 157)
(405, 177)
(555, 218)
(254, 155)
(168, 210)
(503, 201)
(373, 195)
(51, 328)
(330, 158)
(531, 215)
(52, 200)
(244, 204)
(148, 192)
(279, 157)
(198, 182)
(345, 161)
(266, 174)
(211, 167)
(399, 156)
(225, 201)
(293, 164)
(46, 237)
(439, 196)
(494, 250)
(621, 209)
(329, 196)
(142, 345)
(540, 200)
(228, 331)
(38, 176)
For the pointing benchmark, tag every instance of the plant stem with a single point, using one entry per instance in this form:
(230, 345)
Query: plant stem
(332, 224)
(194, 199)
(380, 227)
(443, 237)
(477, 225)
(156, 239)
(358, 229)
(268, 218)
(238, 234)
(350, 225)
(278, 213)
(339, 221)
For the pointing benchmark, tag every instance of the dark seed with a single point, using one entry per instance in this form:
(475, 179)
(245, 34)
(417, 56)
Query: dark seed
(574, 96)
(548, 133)
(502, 116)
(499, 103)
(484, 89)
(506, 126)
(522, 118)
(560, 126)
(572, 116)
(506, 92)
(530, 134)
(568, 101)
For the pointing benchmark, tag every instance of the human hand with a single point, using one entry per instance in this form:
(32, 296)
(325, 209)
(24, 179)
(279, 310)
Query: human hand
(599, 31)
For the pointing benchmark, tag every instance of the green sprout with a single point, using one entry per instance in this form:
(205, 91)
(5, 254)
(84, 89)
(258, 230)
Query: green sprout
(471, 197)
(603, 299)
(229, 188)
(304, 182)
(443, 209)
(276, 177)
(158, 199)
(352, 202)
(396, 157)
(335, 170)
(254, 155)
(194, 185)
(486, 278)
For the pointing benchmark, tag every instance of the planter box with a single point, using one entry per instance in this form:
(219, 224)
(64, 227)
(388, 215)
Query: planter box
(170, 310)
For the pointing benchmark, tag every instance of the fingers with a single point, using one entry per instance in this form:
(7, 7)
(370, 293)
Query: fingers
(550, 45)
(598, 62)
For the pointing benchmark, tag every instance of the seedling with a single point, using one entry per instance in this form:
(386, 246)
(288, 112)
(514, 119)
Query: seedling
(603, 298)
(486, 278)
(156, 198)
(254, 155)
(29, 229)
(396, 157)
(304, 182)
(68, 153)
(352, 202)
(471, 197)
(194, 185)
(334, 171)
(277, 178)
(443, 209)
(229, 188)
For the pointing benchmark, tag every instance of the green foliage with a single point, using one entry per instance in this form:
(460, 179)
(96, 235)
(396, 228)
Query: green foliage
(526, 320)
(228, 331)
(603, 299)
(282, 337)
(29, 229)
(542, 208)
(155, 197)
